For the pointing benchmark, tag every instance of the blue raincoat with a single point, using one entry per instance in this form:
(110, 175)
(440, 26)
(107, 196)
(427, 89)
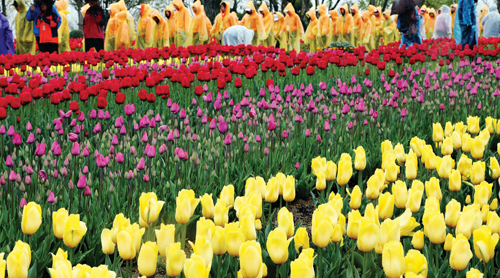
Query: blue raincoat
(6, 37)
(466, 31)
(409, 25)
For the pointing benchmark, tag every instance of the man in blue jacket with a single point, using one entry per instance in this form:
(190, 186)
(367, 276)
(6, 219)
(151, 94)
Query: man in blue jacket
(6, 41)
(33, 13)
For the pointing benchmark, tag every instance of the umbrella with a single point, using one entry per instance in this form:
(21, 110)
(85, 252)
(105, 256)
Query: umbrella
(401, 6)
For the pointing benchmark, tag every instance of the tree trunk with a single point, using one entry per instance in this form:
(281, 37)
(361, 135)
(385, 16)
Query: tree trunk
(212, 8)
(4, 8)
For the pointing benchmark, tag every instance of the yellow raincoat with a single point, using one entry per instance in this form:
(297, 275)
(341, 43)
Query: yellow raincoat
(208, 22)
(429, 24)
(377, 24)
(130, 21)
(357, 23)
(334, 27)
(294, 28)
(109, 40)
(346, 24)
(278, 32)
(122, 35)
(63, 31)
(198, 32)
(26, 42)
(390, 30)
(268, 21)
(312, 31)
(366, 31)
(182, 19)
(84, 11)
(483, 12)
(253, 21)
(145, 28)
(160, 31)
(170, 20)
(425, 13)
(223, 21)
(323, 27)
(453, 13)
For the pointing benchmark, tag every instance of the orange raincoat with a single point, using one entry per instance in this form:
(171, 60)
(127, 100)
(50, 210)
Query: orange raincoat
(122, 38)
(312, 31)
(268, 21)
(198, 32)
(145, 28)
(160, 31)
(223, 21)
(63, 31)
(171, 24)
(253, 21)
(278, 32)
(357, 23)
(182, 19)
(294, 28)
(429, 24)
(365, 30)
(323, 27)
(453, 13)
(482, 13)
(109, 40)
(334, 27)
(130, 21)
(346, 24)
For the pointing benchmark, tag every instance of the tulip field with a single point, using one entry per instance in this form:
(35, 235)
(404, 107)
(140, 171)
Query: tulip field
(191, 162)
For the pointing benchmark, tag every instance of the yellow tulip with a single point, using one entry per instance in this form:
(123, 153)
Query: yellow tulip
(74, 231)
(433, 189)
(164, 237)
(250, 186)
(251, 263)
(457, 140)
(247, 225)
(234, 238)
(389, 231)
(281, 182)
(490, 124)
(445, 167)
(277, 245)
(371, 213)
(447, 146)
(452, 214)
(385, 206)
(219, 241)
(205, 227)
(379, 248)
(435, 228)
(391, 171)
(416, 145)
(227, 194)
(150, 207)
(448, 129)
(360, 159)
(372, 189)
(322, 229)
(32, 218)
(285, 221)
(208, 208)
(466, 223)
(381, 179)
(303, 267)
(494, 168)
(272, 190)
(418, 240)
(120, 223)
(411, 170)
(344, 172)
(59, 219)
(407, 223)
(368, 236)
(320, 181)
(465, 166)
(386, 146)
(460, 253)
(203, 248)
(482, 193)
(484, 136)
(485, 243)
(484, 213)
(393, 259)
(400, 194)
(356, 194)
(108, 247)
(18, 261)
(494, 204)
(260, 185)
(61, 269)
(194, 267)
(186, 204)
(3, 265)
(474, 273)
(301, 239)
(126, 243)
(318, 164)
(289, 189)
(448, 242)
(493, 222)
(399, 151)
(60, 256)
(473, 124)
(221, 213)
(415, 262)
(101, 272)
(331, 171)
(175, 259)
(415, 194)
(455, 181)
(353, 224)
(466, 142)
(338, 233)
(437, 132)
(146, 263)
(477, 148)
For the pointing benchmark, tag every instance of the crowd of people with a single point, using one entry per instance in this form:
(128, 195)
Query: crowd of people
(45, 23)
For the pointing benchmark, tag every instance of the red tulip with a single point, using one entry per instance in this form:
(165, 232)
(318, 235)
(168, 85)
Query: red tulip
(102, 103)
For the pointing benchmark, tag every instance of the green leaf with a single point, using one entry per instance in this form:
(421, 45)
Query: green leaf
(32, 273)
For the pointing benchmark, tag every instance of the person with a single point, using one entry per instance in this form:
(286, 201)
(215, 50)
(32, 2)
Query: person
(130, 20)
(424, 13)
(311, 31)
(111, 28)
(171, 29)
(278, 32)
(421, 15)
(145, 28)
(440, 10)
(237, 35)
(198, 32)
(33, 14)
(482, 13)
(294, 29)
(442, 28)
(48, 24)
(334, 26)
(366, 35)
(346, 24)
(122, 35)
(253, 21)
(323, 27)
(357, 24)
(223, 20)
(63, 30)
(389, 29)
(6, 37)
(182, 19)
(491, 23)
(26, 42)
(452, 13)
(377, 23)
(429, 23)
(93, 32)
(409, 25)
(267, 21)
(160, 32)
(466, 24)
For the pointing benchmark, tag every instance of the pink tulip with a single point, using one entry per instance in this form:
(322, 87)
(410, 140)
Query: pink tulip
(40, 149)
(129, 109)
(8, 161)
(141, 165)
(11, 131)
(82, 182)
(23, 203)
(145, 178)
(29, 127)
(12, 175)
(151, 151)
(87, 191)
(284, 134)
(271, 126)
(308, 133)
(93, 114)
(81, 117)
(51, 199)
(133, 151)
(246, 148)
(152, 123)
(27, 180)
(145, 137)
(115, 140)
(222, 127)
(119, 158)
(182, 114)
(57, 150)
(404, 112)
(101, 161)
(31, 138)
(130, 175)
(97, 128)
(194, 137)
(266, 151)
(326, 126)
(64, 171)
(227, 140)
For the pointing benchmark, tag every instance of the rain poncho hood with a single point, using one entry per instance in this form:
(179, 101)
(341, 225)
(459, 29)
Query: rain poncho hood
(491, 23)
(324, 21)
(278, 31)
(7, 45)
(171, 20)
(236, 35)
(24, 31)
(442, 28)
(145, 28)
(429, 23)
(292, 20)
(182, 16)
(389, 31)
(223, 21)
(63, 31)
(197, 32)
(346, 20)
(365, 32)
(312, 28)
(254, 22)
(267, 18)
(160, 31)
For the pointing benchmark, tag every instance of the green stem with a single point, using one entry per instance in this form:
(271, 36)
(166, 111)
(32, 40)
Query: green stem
(360, 181)
(364, 265)
(183, 235)
(320, 262)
